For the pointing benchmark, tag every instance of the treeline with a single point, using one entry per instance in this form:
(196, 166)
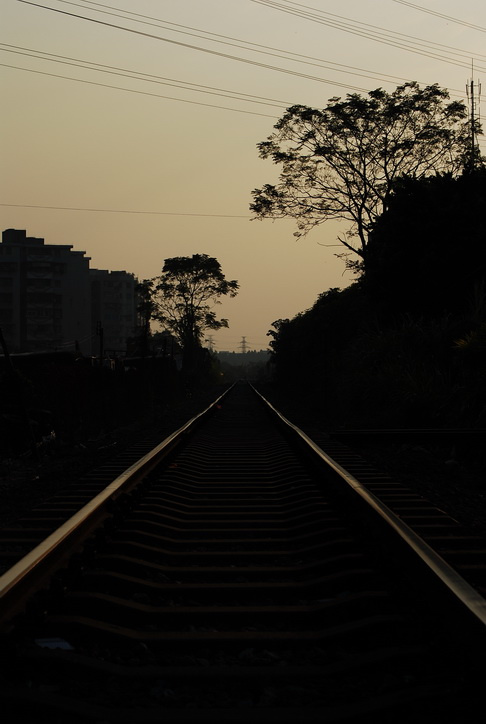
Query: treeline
(238, 359)
(405, 345)
(252, 365)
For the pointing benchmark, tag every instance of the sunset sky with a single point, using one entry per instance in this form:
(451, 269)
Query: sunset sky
(133, 168)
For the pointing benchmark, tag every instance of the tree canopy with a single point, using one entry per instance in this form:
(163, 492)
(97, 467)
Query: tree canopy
(341, 162)
(185, 293)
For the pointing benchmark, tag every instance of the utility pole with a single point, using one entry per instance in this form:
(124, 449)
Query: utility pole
(99, 332)
(473, 94)
(242, 345)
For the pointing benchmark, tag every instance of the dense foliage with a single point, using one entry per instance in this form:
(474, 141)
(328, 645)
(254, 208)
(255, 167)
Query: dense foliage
(405, 345)
(427, 253)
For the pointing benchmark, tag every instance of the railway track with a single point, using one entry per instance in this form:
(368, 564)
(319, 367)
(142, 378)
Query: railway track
(239, 573)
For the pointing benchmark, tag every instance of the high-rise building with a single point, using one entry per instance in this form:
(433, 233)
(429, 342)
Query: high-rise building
(113, 310)
(45, 300)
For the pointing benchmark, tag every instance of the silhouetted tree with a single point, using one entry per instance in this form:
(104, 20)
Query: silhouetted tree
(341, 162)
(184, 295)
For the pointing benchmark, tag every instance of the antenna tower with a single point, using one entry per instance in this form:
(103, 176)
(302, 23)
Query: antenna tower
(473, 93)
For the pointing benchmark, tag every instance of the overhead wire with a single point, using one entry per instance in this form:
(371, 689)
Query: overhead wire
(449, 18)
(195, 32)
(140, 75)
(125, 211)
(198, 48)
(317, 12)
(207, 33)
(131, 90)
(308, 60)
(149, 77)
(320, 62)
(376, 33)
(137, 75)
(287, 54)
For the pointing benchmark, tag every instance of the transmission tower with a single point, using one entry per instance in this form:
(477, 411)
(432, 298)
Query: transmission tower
(473, 92)
(242, 345)
(210, 342)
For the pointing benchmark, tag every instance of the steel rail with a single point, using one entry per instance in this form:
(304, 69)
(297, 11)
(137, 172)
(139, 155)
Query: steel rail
(450, 580)
(32, 572)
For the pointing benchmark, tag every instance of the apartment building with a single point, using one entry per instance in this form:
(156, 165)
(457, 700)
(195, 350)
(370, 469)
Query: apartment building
(45, 296)
(113, 310)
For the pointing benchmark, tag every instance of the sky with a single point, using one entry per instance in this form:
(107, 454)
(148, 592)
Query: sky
(151, 151)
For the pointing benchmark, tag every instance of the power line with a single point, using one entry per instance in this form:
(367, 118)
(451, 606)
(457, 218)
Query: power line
(252, 342)
(236, 42)
(125, 211)
(293, 57)
(378, 34)
(159, 21)
(316, 12)
(139, 75)
(131, 90)
(441, 15)
(171, 82)
(199, 48)
(185, 85)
